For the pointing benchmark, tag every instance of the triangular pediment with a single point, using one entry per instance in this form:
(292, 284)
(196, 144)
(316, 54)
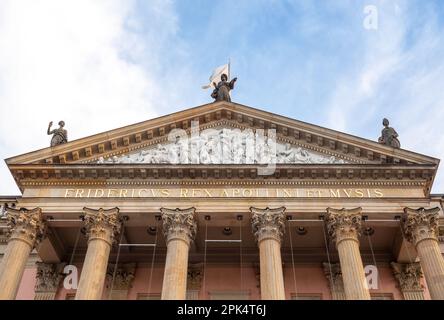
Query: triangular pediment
(301, 142)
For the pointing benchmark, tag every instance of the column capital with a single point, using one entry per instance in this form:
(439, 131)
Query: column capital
(194, 276)
(124, 277)
(343, 224)
(420, 224)
(333, 274)
(48, 276)
(179, 224)
(268, 223)
(408, 275)
(102, 224)
(26, 225)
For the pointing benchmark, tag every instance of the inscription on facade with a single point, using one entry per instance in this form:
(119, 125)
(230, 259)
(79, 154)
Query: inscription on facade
(225, 193)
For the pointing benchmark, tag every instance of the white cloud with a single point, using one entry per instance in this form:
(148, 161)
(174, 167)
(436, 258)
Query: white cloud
(82, 61)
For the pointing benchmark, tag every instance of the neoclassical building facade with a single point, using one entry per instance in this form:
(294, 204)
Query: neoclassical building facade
(222, 201)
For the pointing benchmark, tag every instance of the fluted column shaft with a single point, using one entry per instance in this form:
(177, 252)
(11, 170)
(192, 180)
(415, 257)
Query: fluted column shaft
(179, 229)
(421, 228)
(27, 229)
(102, 227)
(268, 227)
(344, 228)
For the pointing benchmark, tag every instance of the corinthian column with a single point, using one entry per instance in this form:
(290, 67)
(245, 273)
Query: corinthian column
(27, 230)
(344, 227)
(179, 227)
(268, 228)
(421, 228)
(409, 276)
(101, 226)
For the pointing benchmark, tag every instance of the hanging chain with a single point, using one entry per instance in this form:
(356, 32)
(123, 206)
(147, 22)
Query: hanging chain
(408, 252)
(205, 258)
(292, 260)
(75, 246)
(116, 263)
(373, 254)
(324, 227)
(152, 258)
(240, 254)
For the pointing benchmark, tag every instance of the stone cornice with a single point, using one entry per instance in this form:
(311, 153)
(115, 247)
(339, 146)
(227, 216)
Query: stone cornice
(28, 174)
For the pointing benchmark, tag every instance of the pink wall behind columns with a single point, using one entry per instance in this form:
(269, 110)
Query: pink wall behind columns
(387, 283)
(141, 282)
(26, 288)
(228, 278)
(310, 279)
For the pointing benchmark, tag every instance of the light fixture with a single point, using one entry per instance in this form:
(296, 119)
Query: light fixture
(301, 230)
(368, 231)
(152, 230)
(227, 231)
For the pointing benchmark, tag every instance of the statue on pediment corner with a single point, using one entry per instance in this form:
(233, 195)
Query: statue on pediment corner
(389, 136)
(59, 135)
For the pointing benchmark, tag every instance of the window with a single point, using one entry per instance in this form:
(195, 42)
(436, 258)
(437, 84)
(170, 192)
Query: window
(70, 296)
(229, 295)
(381, 296)
(306, 296)
(148, 296)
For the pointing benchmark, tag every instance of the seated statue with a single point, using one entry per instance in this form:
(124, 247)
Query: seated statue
(389, 136)
(59, 135)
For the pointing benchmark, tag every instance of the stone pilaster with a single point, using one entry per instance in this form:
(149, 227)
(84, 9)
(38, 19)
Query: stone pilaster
(268, 227)
(123, 280)
(409, 276)
(333, 274)
(421, 228)
(102, 226)
(179, 227)
(48, 279)
(194, 281)
(26, 231)
(344, 227)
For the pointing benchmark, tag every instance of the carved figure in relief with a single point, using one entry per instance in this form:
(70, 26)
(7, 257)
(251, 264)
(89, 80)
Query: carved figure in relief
(224, 145)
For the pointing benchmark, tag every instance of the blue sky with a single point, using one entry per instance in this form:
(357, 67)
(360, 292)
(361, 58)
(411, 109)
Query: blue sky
(104, 64)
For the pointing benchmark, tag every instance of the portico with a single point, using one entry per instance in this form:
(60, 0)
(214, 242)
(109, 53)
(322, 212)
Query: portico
(332, 205)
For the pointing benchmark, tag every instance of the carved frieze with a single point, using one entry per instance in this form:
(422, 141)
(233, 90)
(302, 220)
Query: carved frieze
(268, 223)
(420, 224)
(179, 224)
(343, 224)
(224, 146)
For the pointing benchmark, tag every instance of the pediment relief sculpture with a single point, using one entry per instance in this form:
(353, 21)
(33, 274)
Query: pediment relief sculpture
(225, 146)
